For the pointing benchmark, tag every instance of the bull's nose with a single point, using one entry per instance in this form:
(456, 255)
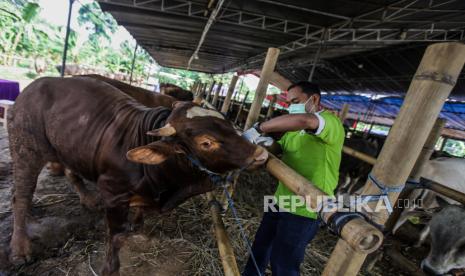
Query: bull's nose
(260, 156)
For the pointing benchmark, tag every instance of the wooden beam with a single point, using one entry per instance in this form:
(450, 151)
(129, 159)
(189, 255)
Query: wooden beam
(434, 80)
(360, 155)
(228, 258)
(209, 94)
(260, 92)
(198, 93)
(217, 95)
(227, 99)
(344, 111)
(415, 174)
(269, 113)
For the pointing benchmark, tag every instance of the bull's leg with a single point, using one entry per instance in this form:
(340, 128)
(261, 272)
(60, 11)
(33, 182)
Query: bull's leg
(116, 218)
(116, 201)
(26, 169)
(86, 197)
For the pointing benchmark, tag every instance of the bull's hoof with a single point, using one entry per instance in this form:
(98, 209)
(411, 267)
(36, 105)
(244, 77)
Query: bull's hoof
(19, 260)
(20, 251)
(107, 271)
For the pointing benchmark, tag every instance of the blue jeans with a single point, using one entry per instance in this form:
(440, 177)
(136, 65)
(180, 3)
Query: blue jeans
(281, 239)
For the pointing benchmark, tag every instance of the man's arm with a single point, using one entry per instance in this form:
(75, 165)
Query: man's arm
(292, 122)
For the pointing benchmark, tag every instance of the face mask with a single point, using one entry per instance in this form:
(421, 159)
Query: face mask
(299, 108)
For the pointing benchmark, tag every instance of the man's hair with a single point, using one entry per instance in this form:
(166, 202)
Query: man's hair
(307, 87)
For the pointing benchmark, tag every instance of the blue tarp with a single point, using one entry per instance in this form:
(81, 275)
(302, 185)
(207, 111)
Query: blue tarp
(453, 112)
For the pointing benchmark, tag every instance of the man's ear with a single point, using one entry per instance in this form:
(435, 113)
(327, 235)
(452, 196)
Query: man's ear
(153, 153)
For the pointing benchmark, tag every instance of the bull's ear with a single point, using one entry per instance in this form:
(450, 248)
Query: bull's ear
(167, 130)
(154, 153)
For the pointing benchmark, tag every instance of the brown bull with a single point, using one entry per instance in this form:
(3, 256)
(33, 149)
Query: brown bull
(142, 95)
(100, 133)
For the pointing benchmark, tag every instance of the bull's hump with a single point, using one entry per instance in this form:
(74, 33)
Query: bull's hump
(197, 111)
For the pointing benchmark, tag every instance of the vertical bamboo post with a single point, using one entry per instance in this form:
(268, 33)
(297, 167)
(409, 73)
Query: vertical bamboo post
(209, 93)
(344, 111)
(241, 106)
(433, 81)
(198, 95)
(415, 174)
(194, 86)
(228, 259)
(444, 144)
(269, 113)
(227, 99)
(260, 92)
(217, 94)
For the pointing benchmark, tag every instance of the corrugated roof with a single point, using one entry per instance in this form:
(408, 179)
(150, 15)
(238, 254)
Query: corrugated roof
(373, 46)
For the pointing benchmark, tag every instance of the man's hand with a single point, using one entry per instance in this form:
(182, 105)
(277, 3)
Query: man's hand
(253, 136)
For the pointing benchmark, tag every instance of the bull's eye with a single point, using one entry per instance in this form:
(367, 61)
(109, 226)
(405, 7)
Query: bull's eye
(206, 144)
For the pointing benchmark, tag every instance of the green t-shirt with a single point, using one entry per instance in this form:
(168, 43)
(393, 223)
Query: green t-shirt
(314, 156)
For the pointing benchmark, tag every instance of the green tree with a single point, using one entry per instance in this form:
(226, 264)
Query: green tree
(23, 25)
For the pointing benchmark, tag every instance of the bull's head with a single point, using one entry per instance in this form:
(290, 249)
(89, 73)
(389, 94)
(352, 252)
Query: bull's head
(447, 231)
(203, 134)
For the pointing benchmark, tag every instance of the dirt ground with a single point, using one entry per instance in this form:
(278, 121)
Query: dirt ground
(69, 240)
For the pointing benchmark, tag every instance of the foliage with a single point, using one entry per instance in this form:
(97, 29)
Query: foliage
(25, 35)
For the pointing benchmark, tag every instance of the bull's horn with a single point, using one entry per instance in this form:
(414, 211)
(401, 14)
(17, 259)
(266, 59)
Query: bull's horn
(167, 130)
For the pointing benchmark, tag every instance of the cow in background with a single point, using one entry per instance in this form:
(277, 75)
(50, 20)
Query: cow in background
(353, 172)
(176, 92)
(446, 227)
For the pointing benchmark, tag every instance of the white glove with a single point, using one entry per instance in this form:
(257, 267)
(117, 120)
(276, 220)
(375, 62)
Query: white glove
(251, 135)
(264, 141)
(254, 137)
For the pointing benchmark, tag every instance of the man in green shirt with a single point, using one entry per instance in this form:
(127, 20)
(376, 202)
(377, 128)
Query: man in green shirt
(312, 146)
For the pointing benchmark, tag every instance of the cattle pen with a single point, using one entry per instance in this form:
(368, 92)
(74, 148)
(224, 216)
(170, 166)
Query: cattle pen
(397, 66)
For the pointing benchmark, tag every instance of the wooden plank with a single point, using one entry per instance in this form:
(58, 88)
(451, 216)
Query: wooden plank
(227, 99)
(344, 111)
(260, 92)
(217, 94)
(270, 111)
(228, 258)
(209, 93)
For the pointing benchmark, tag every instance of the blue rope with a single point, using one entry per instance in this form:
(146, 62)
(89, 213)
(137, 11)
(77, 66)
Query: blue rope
(385, 190)
(221, 180)
(241, 228)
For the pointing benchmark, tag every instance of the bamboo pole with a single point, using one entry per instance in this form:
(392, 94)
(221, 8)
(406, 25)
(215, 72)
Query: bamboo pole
(260, 92)
(269, 113)
(344, 111)
(194, 86)
(446, 191)
(228, 259)
(217, 95)
(241, 107)
(198, 96)
(227, 99)
(360, 155)
(361, 235)
(415, 174)
(209, 94)
(430, 87)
